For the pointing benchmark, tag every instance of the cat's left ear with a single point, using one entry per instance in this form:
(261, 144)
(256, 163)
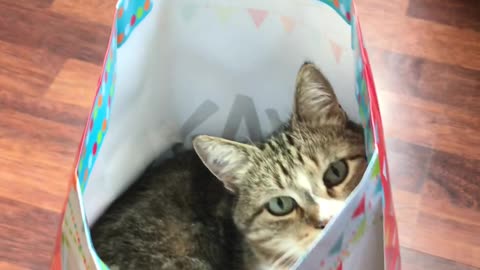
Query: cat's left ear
(227, 160)
(315, 101)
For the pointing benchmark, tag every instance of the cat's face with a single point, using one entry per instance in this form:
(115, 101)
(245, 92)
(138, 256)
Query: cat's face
(289, 187)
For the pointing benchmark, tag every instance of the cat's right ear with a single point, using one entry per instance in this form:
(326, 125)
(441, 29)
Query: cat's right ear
(315, 101)
(227, 160)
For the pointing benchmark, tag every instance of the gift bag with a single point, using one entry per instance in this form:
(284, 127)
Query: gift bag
(177, 68)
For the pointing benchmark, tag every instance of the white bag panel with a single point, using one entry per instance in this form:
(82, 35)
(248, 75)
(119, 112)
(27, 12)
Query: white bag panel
(368, 252)
(173, 69)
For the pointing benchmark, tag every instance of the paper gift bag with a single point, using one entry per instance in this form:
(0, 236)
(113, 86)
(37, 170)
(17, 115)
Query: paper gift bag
(177, 68)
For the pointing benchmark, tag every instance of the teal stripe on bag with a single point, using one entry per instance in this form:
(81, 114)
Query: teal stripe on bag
(130, 13)
(342, 7)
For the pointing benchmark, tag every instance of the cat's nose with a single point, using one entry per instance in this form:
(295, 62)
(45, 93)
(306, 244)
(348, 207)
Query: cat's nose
(321, 224)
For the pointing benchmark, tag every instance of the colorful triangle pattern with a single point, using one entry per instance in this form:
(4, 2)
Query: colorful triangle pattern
(360, 208)
(337, 50)
(360, 232)
(224, 13)
(258, 16)
(376, 170)
(337, 247)
(379, 187)
(288, 23)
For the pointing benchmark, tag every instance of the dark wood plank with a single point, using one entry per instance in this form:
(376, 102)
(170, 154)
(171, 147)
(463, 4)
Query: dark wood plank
(68, 114)
(446, 218)
(451, 229)
(428, 124)
(27, 70)
(75, 84)
(395, 72)
(429, 80)
(39, 185)
(456, 179)
(448, 238)
(27, 4)
(26, 233)
(408, 164)
(427, 90)
(19, 125)
(415, 260)
(445, 236)
(435, 240)
(433, 228)
(426, 72)
(417, 37)
(66, 100)
(40, 129)
(450, 85)
(65, 36)
(461, 14)
(96, 11)
(37, 158)
(406, 210)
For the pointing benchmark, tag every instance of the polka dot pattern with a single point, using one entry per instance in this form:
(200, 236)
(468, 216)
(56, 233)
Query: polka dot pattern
(129, 15)
(74, 241)
(343, 7)
(98, 122)
(363, 99)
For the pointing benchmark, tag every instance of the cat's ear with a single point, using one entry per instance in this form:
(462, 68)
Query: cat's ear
(227, 160)
(315, 101)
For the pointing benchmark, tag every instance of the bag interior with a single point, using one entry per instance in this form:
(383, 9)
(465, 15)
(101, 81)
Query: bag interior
(179, 75)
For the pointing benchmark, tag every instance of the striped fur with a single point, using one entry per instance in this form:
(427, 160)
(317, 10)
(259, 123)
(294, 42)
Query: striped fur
(290, 163)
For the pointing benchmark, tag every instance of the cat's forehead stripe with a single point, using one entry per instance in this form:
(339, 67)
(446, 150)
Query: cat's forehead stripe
(289, 138)
(300, 158)
(283, 167)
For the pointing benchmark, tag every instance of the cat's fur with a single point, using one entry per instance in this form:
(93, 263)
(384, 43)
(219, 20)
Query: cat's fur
(179, 216)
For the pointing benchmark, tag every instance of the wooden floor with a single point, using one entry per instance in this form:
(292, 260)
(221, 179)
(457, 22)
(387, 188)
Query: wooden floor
(425, 56)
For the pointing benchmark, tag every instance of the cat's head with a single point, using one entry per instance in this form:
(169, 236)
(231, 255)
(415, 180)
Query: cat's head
(288, 188)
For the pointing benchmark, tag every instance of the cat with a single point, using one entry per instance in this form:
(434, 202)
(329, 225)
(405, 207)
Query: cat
(272, 201)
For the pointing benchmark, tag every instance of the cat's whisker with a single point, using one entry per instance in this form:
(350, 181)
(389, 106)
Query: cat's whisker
(278, 262)
(293, 254)
(287, 257)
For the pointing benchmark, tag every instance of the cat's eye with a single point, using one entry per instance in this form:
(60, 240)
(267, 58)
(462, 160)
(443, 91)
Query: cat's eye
(336, 173)
(281, 206)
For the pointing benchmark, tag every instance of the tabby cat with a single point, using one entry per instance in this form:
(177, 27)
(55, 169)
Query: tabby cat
(272, 201)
